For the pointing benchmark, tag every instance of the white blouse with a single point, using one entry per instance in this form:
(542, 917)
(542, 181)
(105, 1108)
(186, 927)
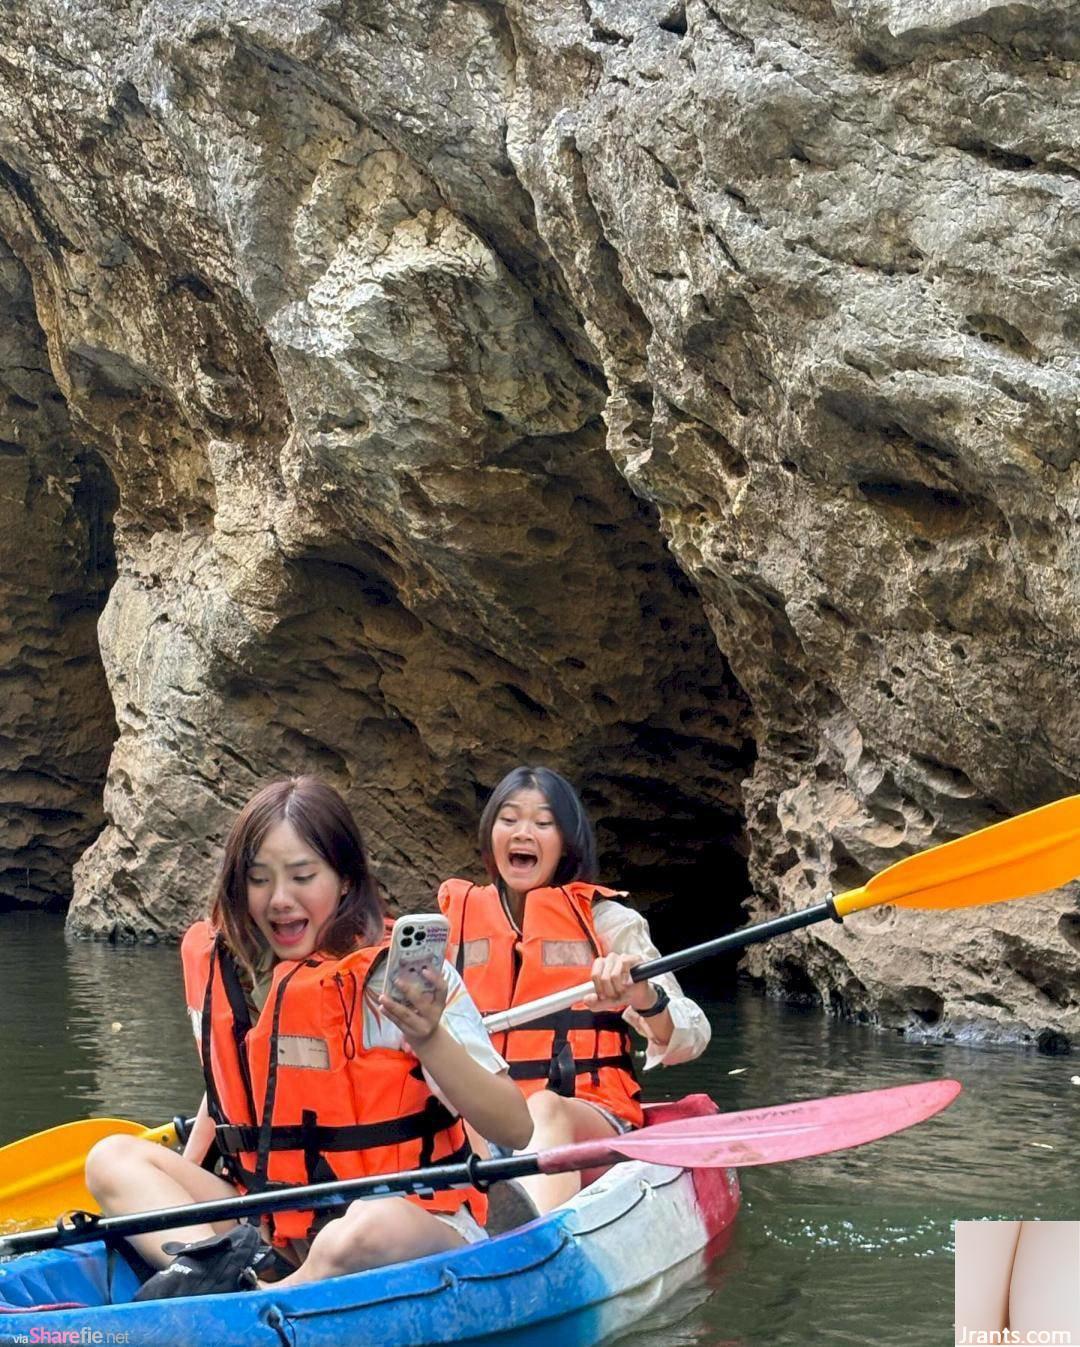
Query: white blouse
(623, 931)
(620, 930)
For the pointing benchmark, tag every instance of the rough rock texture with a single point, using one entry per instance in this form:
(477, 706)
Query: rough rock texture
(415, 333)
(56, 565)
(847, 237)
(367, 523)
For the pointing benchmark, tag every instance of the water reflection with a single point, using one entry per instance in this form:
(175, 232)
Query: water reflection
(89, 1030)
(856, 1247)
(851, 1248)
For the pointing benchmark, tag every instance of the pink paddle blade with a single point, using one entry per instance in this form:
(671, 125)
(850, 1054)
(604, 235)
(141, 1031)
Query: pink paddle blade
(765, 1136)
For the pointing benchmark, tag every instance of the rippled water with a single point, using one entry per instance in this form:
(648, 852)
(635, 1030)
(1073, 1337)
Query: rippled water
(856, 1247)
(89, 1029)
(851, 1248)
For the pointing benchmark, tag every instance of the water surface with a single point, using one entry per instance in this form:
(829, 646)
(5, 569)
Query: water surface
(852, 1248)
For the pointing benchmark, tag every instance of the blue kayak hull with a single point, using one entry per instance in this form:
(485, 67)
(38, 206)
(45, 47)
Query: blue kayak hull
(571, 1278)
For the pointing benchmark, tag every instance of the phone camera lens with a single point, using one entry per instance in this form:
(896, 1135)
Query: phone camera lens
(406, 941)
(420, 937)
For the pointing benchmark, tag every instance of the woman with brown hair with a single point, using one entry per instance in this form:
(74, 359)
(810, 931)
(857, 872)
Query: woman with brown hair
(312, 1071)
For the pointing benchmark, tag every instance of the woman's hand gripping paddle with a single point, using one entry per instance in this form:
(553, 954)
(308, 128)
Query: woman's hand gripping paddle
(1025, 855)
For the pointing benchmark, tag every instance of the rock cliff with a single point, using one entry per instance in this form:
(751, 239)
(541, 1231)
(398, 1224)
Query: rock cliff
(56, 566)
(681, 393)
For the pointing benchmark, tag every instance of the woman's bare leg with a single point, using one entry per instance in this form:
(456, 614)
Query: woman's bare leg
(127, 1174)
(373, 1234)
(557, 1122)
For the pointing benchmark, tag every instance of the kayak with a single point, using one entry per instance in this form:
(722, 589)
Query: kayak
(585, 1271)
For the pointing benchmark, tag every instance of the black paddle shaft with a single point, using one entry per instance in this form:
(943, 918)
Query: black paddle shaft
(81, 1227)
(749, 935)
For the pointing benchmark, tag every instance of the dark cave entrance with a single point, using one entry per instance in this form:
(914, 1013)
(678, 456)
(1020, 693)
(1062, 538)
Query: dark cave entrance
(683, 861)
(57, 566)
(54, 778)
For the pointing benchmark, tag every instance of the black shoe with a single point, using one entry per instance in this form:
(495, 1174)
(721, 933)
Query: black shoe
(209, 1266)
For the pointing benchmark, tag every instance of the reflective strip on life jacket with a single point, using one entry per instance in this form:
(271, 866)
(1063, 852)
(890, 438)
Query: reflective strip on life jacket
(575, 1052)
(296, 1097)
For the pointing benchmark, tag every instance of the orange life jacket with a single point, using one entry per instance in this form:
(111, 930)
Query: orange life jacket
(578, 1052)
(296, 1096)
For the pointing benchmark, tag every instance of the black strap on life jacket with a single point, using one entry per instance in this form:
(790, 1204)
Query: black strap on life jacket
(541, 1069)
(316, 1165)
(425, 1127)
(222, 960)
(250, 1179)
(241, 1016)
(562, 1069)
(265, 1129)
(313, 1137)
(213, 1101)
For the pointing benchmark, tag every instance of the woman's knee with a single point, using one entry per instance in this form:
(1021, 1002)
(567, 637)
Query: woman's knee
(548, 1110)
(353, 1242)
(113, 1158)
(374, 1234)
(544, 1105)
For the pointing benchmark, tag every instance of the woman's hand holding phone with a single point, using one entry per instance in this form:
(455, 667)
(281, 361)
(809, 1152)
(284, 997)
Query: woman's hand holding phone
(418, 1005)
(415, 990)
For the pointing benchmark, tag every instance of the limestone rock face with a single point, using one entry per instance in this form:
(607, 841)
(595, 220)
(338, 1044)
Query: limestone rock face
(368, 525)
(684, 394)
(56, 564)
(847, 237)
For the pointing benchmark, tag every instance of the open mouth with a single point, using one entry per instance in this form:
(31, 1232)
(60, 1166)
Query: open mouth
(520, 859)
(289, 932)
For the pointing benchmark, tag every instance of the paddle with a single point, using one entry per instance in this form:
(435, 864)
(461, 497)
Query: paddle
(1028, 854)
(43, 1173)
(758, 1136)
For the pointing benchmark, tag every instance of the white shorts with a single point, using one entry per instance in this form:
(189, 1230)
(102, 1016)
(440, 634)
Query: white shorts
(464, 1223)
(461, 1221)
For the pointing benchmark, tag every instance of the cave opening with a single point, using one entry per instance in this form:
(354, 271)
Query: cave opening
(61, 712)
(57, 566)
(683, 862)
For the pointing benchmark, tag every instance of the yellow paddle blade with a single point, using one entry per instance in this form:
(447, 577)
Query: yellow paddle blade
(42, 1176)
(1028, 854)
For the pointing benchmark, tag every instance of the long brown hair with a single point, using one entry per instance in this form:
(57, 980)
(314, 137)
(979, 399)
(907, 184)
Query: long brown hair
(323, 819)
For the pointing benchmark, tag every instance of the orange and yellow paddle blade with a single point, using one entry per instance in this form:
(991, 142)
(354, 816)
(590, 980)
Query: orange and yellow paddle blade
(1029, 854)
(42, 1176)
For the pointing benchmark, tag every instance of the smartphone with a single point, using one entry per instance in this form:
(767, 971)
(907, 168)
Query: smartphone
(417, 942)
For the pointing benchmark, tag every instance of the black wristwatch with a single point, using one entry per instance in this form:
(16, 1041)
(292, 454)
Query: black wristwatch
(662, 1002)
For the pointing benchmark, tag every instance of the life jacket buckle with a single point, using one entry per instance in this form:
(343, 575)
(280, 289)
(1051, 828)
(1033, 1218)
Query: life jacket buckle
(229, 1138)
